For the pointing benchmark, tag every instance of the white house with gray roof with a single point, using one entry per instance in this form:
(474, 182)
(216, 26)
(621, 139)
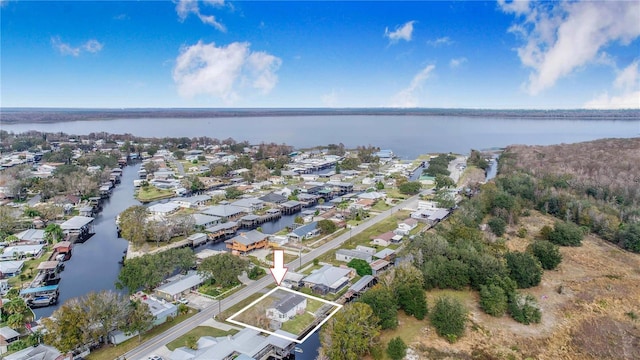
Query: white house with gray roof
(287, 308)
(225, 212)
(348, 255)
(328, 279)
(179, 286)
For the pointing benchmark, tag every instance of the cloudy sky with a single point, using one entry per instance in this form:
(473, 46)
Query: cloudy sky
(215, 53)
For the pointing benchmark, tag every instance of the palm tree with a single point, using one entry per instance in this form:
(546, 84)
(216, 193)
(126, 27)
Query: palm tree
(15, 320)
(15, 306)
(53, 233)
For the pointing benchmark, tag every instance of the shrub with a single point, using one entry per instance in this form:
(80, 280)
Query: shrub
(524, 309)
(449, 317)
(396, 349)
(255, 272)
(410, 187)
(497, 225)
(362, 267)
(524, 269)
(547, 253)
(522, 233)
(412, 300)
(566, 234)
(327, 226)
(493, 300)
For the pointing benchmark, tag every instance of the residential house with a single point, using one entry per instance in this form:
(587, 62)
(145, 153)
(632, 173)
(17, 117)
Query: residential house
(361, 286)
(386, 254)
(304, 232)
(179, 285)
(22, 251)
(38, 352)
(7, 336)
(348, 255)
(78, 227)
(205, 221)
(249, 205)
(197, 239)
(192, 202)
(366, 249)
(248, 241)
(10, 268)
(248, 344)
(378, 266)
(372, 195)
(430, 216)
(163, 210)
(33, 236)
(273, 198)
(161, 310)
(328, 279)
(405, 227)
(290, 207)
(292, 280)
(340, 187)
(287, 308)
(382, 239)
(225, 212)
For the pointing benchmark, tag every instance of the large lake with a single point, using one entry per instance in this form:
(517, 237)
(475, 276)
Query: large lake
(408, 136)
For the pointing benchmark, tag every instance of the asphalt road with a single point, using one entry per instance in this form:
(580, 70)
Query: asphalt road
(144, 350)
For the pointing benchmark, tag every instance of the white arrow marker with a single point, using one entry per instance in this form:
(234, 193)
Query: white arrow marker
(278, 270)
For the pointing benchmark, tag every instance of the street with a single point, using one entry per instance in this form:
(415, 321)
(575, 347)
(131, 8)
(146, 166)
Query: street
(147, 348)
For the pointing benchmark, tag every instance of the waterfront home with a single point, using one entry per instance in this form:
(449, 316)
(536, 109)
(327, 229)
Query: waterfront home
(78, 227)
(225, 212)
(163, 210)
(33, 236)
(247, 344)
(287, 308)
(366, 249)
(361, 286)
(249, 204)
(10, 268)
(430, 216)
(197, 239)
(348, 255)
(205, 221)
(222, 230)
(340, 187)
(63, 248)
(21, 252)
(379, 266)
(372, 195)
(290, 207)
(386, 254)
(192, 202)
(179, 285)
(383, 239)
(160, 310)
(304, 232)
(248, 241)
(273, 198)
(406, 226)
(328, 279)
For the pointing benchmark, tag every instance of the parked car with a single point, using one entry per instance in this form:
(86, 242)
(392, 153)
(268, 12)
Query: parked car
(183, 301)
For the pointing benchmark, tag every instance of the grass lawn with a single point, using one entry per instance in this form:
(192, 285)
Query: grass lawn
(29, 270)
(380, 206)
(213, 290)
(287, 257)
(152, 193)
(395, 193)
(313, 305)
(408, 329)
(239, 306)
(298, 323)
(199, 332)
(114, 352)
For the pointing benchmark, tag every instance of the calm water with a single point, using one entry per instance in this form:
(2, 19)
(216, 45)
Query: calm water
(407, 136)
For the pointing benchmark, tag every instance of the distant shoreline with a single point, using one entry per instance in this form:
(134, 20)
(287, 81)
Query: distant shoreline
(50, 115)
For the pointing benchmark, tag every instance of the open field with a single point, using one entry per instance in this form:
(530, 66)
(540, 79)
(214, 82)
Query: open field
(152, 193)
(590, 310)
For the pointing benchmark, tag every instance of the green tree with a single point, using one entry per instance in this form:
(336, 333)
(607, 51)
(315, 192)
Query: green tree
(547, 253)
(7, 221)
(524, 269)
(493, 300)
(256, 272)
(132, 224)
(362, 267)
(106, 310)
(396, 349)
(327, 226)
(523, 309)
(497, 225)
(138, 319)
(566, 234)
(53, 233)
(410, 187)
(179, 154)
(382, 301)
(412, 300)
(298, 220)
(379, 185)
(351, 333)
(350, 163)
(233, 192)
(68, 328)
(16, 320)
(191, 342)
(629, 237)
(449, 317)
(223, 269)
(444, 182)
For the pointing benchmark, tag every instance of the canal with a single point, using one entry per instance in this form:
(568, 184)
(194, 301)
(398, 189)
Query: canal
(94, 264)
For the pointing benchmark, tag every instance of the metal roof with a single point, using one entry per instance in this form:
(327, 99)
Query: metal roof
(76, 222)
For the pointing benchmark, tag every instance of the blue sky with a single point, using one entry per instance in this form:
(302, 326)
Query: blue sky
(461, 54)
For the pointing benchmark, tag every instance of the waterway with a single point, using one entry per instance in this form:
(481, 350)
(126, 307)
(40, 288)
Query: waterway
(94, 263)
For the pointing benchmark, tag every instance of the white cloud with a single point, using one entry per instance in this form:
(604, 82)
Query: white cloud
(627, 88)
(407, 97)
(403, 32)
(93, 46)
(454, 63)
(441, 41)
(186, 7)
(204, 69)
(330, 99)
(562, 37)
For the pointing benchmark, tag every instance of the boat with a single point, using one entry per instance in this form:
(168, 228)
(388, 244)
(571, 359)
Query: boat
(297, 349)
(42, 301)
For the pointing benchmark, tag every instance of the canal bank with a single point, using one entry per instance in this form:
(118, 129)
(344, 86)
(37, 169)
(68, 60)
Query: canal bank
(94, 264)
